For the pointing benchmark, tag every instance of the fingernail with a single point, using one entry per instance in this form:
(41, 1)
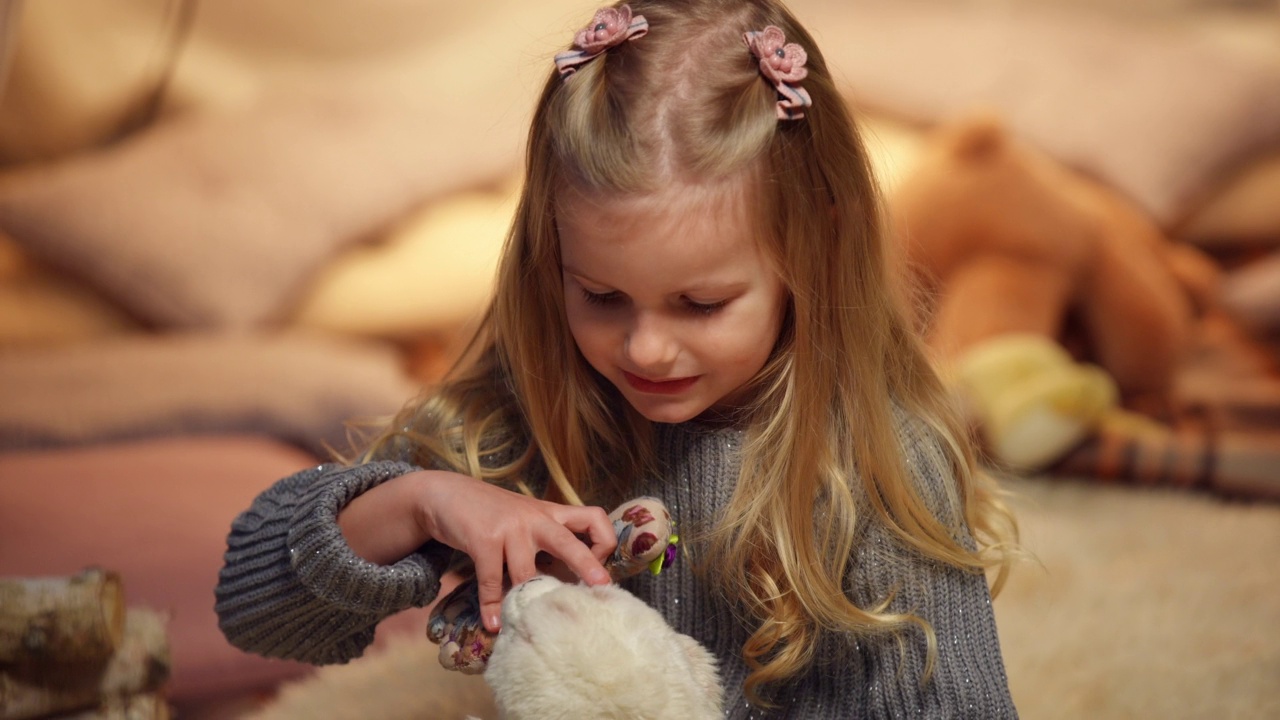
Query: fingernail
(494, 623)
(597, 577)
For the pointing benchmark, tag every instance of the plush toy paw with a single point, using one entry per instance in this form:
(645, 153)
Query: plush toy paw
(573, 651)
(1031, 400)
(646, 539)
(455, 625)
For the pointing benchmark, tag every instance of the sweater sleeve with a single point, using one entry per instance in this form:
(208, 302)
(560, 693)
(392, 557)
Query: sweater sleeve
(292, 588)
(968, 678)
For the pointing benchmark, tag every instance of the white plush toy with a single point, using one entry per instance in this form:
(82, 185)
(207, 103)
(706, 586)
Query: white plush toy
(573, 651)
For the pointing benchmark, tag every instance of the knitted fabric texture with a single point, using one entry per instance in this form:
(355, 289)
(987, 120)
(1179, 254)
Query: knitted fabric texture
(292, 588)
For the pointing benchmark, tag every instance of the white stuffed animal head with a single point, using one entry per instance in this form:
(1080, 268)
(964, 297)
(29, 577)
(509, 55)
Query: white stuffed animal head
(573, 651)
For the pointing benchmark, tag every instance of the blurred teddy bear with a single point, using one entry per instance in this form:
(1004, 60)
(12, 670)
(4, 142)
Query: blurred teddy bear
(573, 651)
(1050, 297)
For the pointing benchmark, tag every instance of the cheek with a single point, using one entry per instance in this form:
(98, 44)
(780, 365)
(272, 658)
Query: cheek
(582, 341)
(576, 315)
(774, 316)
(747, 339)
(589, 333)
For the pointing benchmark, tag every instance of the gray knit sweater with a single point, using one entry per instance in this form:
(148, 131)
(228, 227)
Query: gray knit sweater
(292, 588)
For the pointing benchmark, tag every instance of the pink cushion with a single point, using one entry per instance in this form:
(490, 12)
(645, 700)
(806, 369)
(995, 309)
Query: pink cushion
(158, 512)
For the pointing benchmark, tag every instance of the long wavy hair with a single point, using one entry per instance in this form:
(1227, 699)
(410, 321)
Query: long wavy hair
(687, 102)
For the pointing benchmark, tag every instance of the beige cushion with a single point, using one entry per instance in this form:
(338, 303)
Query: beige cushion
(81, 69)
(1155, 111)
(894, 147)
(434, 271)
(295, 388)
(1252, 294)
(1245, 211)
(216, 220)
(40, 306)
(293, 131)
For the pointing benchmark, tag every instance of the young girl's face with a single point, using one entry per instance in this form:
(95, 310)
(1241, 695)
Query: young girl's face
(669, 297)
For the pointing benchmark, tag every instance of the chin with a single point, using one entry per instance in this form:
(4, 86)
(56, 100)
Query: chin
(670, 413)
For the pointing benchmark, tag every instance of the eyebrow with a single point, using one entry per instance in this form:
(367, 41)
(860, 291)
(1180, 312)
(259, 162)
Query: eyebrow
(579, 275)
(575, 271)
(729, 287)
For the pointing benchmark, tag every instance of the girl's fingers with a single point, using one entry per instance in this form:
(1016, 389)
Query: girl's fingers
(520, 564)
(594, 523)
(525, 526)
(489, 584)
(578, 557)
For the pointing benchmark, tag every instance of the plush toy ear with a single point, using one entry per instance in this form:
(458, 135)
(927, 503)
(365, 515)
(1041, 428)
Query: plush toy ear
(563, 604)
(703, 664)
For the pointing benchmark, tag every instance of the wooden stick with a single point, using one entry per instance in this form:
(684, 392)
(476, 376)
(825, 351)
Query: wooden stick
(76, 619)
(141, 665)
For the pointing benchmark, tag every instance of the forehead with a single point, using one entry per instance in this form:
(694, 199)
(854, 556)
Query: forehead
(685, 230)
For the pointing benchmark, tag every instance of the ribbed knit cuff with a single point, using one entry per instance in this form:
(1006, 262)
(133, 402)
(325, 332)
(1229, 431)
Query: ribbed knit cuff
(327, 566)
(292, 588)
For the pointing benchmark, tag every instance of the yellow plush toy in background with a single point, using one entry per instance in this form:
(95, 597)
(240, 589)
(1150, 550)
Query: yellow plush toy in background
(1020, 259)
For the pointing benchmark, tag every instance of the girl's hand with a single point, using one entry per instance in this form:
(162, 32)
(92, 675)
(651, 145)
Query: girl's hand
(498, 527)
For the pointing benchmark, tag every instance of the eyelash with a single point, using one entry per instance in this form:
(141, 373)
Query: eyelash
(609, 298)
(614, 298)
(705, 308)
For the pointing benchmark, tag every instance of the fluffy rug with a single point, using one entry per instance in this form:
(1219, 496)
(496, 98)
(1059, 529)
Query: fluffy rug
(1144, 603)
(403, 682)
(1137, 603)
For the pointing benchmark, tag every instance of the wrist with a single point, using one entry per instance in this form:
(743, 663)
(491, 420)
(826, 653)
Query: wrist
(380, 524)
(423, 517)
(431, 490)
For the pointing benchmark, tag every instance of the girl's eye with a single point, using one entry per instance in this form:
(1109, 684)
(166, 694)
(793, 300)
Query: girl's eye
(704, 308)
(609, 298)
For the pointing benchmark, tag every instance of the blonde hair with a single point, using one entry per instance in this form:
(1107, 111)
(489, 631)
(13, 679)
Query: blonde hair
(687, 103)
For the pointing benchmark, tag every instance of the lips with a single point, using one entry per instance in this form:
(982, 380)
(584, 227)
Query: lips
(660, 387)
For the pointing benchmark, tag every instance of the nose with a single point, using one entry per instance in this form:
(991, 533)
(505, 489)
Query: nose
(650, 346)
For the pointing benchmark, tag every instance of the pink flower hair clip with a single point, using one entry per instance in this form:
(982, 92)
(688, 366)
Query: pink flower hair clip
(782, 63)
(609, 27)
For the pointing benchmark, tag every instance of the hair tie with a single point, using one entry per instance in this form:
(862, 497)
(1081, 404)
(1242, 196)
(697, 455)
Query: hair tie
(782, 63)
(609, 27)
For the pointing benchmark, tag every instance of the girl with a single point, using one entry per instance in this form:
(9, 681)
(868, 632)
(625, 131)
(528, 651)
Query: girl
(693, 304)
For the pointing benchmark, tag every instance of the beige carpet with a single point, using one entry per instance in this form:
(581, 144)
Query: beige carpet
(1143, 604)
(1148, 604)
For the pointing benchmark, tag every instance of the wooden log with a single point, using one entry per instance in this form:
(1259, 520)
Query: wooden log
(140, 665)
(78, 619)
(135, 707)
